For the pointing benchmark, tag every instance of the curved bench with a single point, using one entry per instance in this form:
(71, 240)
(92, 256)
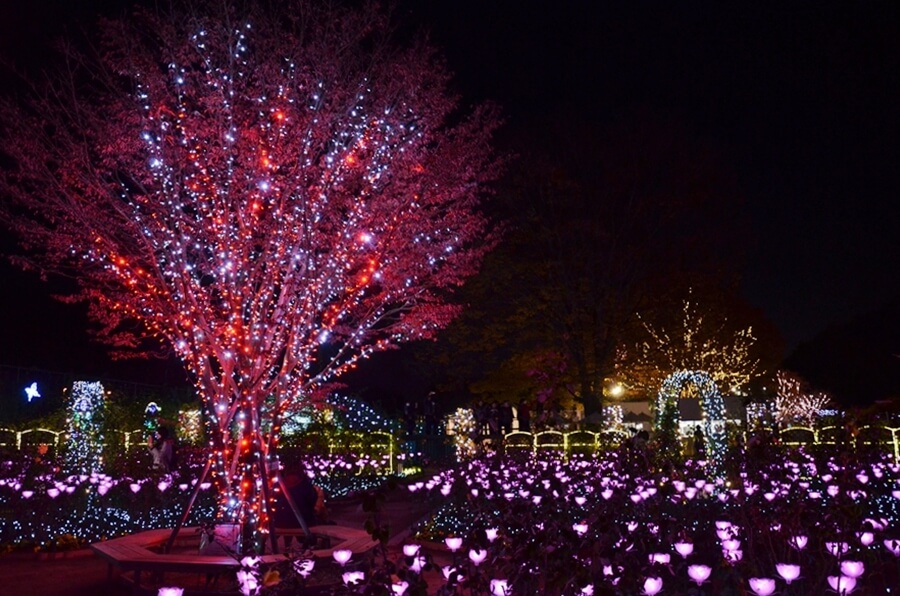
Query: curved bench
(136, 552)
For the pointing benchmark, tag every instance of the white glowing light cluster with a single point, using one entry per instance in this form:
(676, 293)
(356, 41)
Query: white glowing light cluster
(85, 414)
(461, 426)
(795, 402)
(276, 203)
(190, 426)
(613, 417)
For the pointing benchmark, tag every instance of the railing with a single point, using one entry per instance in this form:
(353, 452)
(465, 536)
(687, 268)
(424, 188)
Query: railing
(10, 437)
(575, 441)
(832, 435)
(583, 441)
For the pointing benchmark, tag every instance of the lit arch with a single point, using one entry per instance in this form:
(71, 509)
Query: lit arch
(712, 407)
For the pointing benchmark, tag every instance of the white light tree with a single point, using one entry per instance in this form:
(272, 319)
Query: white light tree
(275, 194)
(796, 402)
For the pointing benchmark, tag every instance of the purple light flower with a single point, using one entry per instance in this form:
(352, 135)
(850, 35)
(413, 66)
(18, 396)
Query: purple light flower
(891, 545)
(304, 567)
(418, 564)
(454, 543)
(853, 569)
(652, 586)
(762, 586)
(399, 588)
(477, 556)
(798, 542)
(842, 584)
(248, 581)
(411, 550)
(170, 592)
(499, 587)
(342, 556)
(684, 549)
(788, 572)
(352, 577)
(699, 573)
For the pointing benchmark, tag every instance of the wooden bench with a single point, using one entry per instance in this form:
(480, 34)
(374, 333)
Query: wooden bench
(134, 553)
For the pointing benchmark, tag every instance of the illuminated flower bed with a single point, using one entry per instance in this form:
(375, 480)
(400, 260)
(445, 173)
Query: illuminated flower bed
(791, 523)
(76, 509)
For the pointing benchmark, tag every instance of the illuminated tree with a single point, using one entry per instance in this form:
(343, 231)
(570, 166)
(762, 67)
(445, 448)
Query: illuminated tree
(274, 195)
(696, 342)
(84, 422)
(796, 402)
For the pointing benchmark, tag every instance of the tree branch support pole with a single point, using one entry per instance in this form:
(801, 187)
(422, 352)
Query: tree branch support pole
(190, 505)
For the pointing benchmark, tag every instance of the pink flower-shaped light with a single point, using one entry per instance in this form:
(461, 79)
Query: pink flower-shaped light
(491, 534)
(52, 492)
(580, 529)
(866, 538)
(853, 569)
(733, 556)
(248, 581)
(352, 577)
(762, 586)
(731, 545)
(799, 542)
(788, 572)
(684, 549)
(891, 545)
(411, 550)
(837, 548)
(477, 556)
(499, 587)
(661, 558)
(418, 564)
(579, 500)
(454, 543)
(304, 567)
(842, 584)
(399, 588)
(170, 592)
(135, 487)
(342, 556)
(588, 590)
(652, 586)
(699, 573)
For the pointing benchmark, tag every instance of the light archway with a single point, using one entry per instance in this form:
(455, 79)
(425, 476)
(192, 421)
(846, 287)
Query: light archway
(712, 407)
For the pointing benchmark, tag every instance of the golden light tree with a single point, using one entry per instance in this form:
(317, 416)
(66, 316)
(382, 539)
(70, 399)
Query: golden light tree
(697, 342)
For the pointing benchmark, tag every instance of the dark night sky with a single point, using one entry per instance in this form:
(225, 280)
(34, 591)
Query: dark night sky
(800, 99)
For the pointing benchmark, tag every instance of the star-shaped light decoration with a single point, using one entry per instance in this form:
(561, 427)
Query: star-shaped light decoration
(32, 391)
